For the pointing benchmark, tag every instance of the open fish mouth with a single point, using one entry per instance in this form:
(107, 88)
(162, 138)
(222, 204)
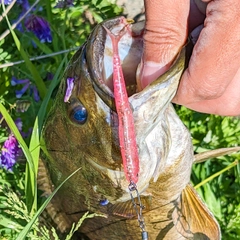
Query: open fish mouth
(87, 118)
(100, 54)
(149, 106)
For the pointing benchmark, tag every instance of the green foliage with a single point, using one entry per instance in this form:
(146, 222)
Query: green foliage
(19, 203)
(222, 193)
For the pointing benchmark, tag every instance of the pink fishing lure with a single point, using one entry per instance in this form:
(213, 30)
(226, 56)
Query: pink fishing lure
(127, 137)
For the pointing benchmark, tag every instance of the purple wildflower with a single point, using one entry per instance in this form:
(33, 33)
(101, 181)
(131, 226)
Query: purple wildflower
(26, 85)
(25, 5)
(10, 152)
(19, 93)
(64, 4)
(33, 89)
(49, 76)
(27, 134)
(25, 82)
(7, 2)
(70, 84)
(16, 81)
(33, 23)
(19, 124)
(40, 27)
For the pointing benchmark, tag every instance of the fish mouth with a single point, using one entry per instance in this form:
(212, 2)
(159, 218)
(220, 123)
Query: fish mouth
(100, 56)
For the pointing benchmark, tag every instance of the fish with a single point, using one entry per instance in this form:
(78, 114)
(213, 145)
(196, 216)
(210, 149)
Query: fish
(82, 132)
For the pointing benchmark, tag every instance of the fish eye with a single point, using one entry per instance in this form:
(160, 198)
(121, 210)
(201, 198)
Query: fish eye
(79, 114)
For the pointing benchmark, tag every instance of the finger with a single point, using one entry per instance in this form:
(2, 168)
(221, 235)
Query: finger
(216, 55)
(228, 104)
(165, 34)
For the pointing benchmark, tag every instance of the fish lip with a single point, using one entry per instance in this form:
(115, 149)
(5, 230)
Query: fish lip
(95, 62)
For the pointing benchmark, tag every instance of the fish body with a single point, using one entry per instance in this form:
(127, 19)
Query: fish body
(83, 133)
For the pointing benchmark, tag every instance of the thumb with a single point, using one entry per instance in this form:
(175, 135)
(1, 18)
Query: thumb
(165, 34)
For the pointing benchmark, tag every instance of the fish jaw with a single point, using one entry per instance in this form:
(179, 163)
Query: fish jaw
(163, 132)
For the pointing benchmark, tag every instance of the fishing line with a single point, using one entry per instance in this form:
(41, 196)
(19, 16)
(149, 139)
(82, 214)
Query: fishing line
(138, 206)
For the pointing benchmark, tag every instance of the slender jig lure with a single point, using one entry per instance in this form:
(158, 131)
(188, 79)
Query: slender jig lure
(127, 136)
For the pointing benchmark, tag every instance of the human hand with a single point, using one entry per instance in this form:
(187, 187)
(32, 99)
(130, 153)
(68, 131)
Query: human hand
(211, 83)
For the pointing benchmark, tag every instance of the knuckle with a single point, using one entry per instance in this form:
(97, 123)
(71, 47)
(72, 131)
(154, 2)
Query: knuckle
(164, 36)
(204, 89)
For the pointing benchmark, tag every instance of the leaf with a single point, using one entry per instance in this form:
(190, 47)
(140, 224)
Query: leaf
(34, 147)
(212, 202)
(8, 223)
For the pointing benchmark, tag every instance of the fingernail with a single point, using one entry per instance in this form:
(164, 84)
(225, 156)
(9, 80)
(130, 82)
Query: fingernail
(147, 72)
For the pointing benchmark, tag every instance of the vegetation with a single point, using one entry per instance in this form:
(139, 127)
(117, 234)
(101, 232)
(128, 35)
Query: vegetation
(33, 54)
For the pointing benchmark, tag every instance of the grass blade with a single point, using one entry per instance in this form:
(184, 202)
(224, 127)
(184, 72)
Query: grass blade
(27, 228)
(34, 147)
(216, 174)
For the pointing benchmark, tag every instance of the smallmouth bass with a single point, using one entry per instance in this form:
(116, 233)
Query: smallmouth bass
(83, 133)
